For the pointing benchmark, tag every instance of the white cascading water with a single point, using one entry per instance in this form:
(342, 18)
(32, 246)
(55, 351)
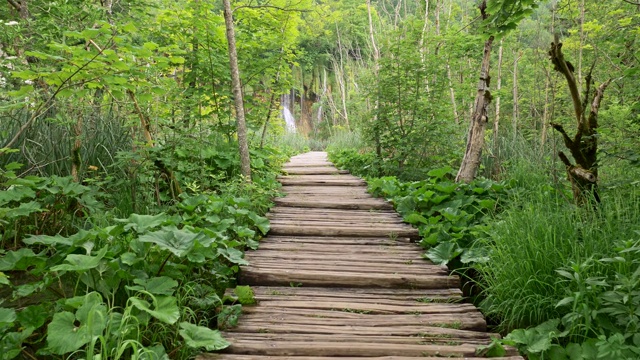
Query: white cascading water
(289, 120)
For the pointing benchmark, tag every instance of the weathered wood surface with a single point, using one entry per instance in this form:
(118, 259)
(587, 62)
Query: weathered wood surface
(337, 277)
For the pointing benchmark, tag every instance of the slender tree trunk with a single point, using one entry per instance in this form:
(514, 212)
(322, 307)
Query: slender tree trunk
(342, 81)
(545, 112)
(480, 117)
(452, 93)
(243, 144)
(76, 159)
(425, 26)
(581, 45)
(516, 109)
(376, 57)
(496, 121)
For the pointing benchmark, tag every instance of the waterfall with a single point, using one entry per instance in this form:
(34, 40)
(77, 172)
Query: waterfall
(287, 115)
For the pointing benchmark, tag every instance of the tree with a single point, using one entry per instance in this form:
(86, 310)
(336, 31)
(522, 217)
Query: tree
(499, 17)
(236, 85)
(584, 145)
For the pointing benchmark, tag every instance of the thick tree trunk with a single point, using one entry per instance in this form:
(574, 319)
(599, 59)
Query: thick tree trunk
(241, 126)
(479, 117)
(583, 147)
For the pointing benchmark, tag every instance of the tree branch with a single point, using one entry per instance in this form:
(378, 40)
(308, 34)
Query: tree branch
(565, 68)
(15, 5)
(567, 140)
(631, 2)
(595, 104)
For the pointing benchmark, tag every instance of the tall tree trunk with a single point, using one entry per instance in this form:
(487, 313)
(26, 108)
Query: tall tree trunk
(496, 121)
(376, 58)
(480, 117)
(76, 159)
(452, 93)
(516, 109)
(243, 144)
(584, 145)
(545, 111)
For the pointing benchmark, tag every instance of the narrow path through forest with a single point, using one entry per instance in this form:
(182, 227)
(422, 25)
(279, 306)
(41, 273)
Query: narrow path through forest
(338, 276)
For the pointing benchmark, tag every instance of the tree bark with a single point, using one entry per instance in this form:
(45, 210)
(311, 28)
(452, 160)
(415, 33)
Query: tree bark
(516, 109)
(496, 121)
(241, 126)
(479, 118)
(583, 147)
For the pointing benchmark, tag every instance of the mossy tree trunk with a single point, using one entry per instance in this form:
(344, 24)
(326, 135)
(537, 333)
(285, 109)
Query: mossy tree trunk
(584, 144)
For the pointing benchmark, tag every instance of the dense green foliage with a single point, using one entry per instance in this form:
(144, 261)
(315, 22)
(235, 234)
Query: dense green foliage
(123, 215)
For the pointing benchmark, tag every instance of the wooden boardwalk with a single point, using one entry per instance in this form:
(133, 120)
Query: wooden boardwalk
(338, 277)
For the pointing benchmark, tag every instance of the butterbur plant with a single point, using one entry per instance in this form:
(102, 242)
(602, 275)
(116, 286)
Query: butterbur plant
(109, 291)
(451, 217)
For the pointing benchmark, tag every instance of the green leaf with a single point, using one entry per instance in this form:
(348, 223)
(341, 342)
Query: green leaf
(68, 332)
(7, 316)
(262, 223)
(440, 172)
(574, 351)
(228, 317)
(21, 260)
(165, 308)
(245, 295)
(81, 262)
(416, 218)
(233, 255)
(33, 316)
(177, 241)
(443, 253)
(4, 279)
(63, 336)
(478, 255)
(142, 223)
(162, 285)
(201, 337)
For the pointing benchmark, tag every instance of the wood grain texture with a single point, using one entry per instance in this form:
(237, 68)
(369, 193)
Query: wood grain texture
(338, 278)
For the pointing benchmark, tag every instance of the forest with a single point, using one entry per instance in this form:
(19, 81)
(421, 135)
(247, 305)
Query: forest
(140, 144)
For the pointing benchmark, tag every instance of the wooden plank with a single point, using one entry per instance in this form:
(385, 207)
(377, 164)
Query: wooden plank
(308, 202)
(313, 170)
(338, 240)
(351, 266)
(402, 294)
(263, 316)
(345, 177)
(258, 357)
(280, 209)
(399, 249)
(332, 348)
(341, 222)
(284, 277)
(337, 230)
(267, 300)
(293, 256)
(369, 308)
(270, 334)
(423, 332)
(340, 182)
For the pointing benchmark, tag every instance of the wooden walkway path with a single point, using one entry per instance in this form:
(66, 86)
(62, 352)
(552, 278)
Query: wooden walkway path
(338, 277)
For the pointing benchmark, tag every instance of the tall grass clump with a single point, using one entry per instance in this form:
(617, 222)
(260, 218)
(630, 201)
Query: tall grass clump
(539, 239)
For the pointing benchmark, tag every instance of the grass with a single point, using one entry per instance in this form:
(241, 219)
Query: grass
(540, 232)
